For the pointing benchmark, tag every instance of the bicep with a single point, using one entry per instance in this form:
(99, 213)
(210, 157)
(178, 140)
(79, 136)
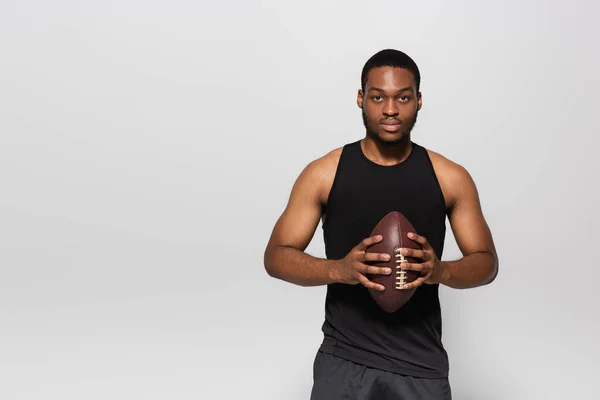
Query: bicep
(300, 218)
(467, 221)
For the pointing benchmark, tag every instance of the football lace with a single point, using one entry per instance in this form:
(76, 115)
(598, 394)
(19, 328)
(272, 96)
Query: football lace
(400, 273)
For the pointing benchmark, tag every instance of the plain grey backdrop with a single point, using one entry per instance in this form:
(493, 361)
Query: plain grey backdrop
(147, 148)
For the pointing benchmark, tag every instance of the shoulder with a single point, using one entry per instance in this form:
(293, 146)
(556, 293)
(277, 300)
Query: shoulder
(323, 165)
(447, 167)
(453, 177)
(319, 174)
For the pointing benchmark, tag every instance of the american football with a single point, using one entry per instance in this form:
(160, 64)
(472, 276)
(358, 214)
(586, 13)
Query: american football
(394, 228)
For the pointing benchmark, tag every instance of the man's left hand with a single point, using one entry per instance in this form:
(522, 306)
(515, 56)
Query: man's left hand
(431, 268)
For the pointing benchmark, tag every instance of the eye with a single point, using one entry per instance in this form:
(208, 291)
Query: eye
(404, 99)
(376, 98)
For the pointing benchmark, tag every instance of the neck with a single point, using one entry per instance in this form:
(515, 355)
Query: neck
(386, 153)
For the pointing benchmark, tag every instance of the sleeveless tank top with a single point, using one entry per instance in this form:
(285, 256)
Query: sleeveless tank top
(409, 341)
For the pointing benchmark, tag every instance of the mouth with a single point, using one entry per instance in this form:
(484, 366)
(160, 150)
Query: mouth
(390, 127)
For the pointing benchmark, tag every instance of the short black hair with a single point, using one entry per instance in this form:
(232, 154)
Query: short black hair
(390, 58)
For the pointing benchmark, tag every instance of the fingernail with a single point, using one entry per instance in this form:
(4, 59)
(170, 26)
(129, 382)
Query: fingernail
(387, 271)
(386, 257)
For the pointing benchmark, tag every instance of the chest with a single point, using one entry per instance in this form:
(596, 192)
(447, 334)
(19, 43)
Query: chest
(358, 203)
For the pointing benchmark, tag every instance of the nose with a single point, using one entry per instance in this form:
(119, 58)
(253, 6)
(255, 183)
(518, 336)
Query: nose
(390, 108)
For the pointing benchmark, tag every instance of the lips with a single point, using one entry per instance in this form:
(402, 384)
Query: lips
(390, 126)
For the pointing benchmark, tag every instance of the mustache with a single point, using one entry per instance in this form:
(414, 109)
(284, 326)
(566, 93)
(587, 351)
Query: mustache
(389, 120)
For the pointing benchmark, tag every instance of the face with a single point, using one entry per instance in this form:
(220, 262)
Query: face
(390, 104)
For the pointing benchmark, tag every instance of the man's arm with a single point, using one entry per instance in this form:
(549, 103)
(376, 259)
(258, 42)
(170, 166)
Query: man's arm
(284, 256)
(479, 264)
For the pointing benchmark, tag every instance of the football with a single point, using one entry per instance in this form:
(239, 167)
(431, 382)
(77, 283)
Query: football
(394, 228)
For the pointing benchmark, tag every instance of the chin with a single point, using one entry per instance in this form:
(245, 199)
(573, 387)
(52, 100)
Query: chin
(390, 138)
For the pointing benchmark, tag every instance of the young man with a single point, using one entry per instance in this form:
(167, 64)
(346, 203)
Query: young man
(367, 353)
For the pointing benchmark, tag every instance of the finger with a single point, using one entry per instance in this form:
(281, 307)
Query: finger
(422, 240)
(368, 284)
(414, 253)
(371, 270)
(414, 284)
(366, 257)
(362, 246)
(413, 266)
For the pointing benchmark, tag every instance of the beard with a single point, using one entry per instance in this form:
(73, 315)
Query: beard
(373, 132)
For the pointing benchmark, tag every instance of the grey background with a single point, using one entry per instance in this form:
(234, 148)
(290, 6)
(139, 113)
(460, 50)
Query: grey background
(147, 148)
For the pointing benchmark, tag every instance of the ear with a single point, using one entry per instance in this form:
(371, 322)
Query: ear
(360, 98)
(419, 101)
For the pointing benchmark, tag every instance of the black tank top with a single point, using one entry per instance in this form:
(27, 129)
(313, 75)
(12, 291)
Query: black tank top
(407, 342)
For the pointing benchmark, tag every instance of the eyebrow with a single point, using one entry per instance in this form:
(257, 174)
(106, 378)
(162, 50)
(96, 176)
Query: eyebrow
(408, 88)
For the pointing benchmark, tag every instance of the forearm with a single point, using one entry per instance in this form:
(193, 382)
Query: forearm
(297, 267)
(473, 270)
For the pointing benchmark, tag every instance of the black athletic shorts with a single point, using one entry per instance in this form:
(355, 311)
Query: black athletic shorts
(337, 379)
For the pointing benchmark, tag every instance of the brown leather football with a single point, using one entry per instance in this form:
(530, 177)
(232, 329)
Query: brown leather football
(394, 228)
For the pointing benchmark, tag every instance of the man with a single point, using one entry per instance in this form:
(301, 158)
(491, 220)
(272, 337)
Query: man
(367, 353)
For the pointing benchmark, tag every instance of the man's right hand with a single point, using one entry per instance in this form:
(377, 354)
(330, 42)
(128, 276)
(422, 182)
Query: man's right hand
(353, 269)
